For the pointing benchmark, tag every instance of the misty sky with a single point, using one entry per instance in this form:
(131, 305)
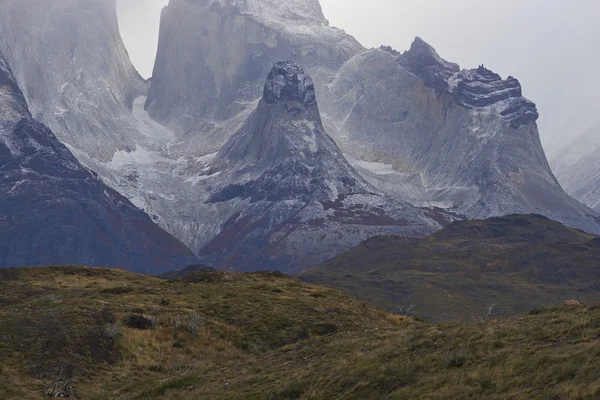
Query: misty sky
(551, 46)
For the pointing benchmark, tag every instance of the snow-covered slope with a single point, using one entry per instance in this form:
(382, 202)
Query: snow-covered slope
(213, 56)
(577, 167)
(72, 66)
(466, 140)
(284, 196)
(53, 211)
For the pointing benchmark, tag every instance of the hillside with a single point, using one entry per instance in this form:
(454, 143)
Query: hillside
(267, 336)
(515, 262)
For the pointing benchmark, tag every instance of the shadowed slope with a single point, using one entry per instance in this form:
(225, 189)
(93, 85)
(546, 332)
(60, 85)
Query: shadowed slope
(517, 262)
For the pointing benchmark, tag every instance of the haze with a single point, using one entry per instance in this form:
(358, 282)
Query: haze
(549, 45)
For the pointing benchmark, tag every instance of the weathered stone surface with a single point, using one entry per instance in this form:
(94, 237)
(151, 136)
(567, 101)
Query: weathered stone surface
(53, 211)
(419, 128)
(287, 198)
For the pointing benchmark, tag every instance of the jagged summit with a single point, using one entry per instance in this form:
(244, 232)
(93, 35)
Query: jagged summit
(282, 194)
(288, 82)
(425, 62)
(403, 119)
(475, 88)
(283, 146)
(481, 88)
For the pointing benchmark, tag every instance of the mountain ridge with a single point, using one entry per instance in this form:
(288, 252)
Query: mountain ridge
(516, 262)
(55, 211)
(435, 110)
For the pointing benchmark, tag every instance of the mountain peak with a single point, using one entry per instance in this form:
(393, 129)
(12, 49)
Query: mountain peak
(423, 61)
(288, 82)
(419, 45)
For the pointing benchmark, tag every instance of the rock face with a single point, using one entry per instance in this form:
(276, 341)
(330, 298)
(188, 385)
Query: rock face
(183, 152)
(419, 128)
(72, 66)
(213, 56)
(55, 211)
(285, 196)
(577, 167)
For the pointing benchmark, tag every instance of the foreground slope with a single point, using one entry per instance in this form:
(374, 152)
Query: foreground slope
(281, 195)
(55, 211)
(265, 336)
(420, 128)
(516, 262)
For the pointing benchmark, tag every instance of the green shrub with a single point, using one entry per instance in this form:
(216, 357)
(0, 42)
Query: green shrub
(456, 359)
(118, 290)
(292, 391)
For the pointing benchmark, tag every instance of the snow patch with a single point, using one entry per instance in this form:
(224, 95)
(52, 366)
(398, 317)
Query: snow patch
(151, 129)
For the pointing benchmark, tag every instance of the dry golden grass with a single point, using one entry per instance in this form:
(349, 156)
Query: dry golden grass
(265, 336)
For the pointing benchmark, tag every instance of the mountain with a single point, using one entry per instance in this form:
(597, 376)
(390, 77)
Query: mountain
(577, 167)
(517, 262)
(213, 56)
(70, 62)
(420, 128)
(55, 211)
(156, 142)
(284, 196)
(76, 75)
(267, 336)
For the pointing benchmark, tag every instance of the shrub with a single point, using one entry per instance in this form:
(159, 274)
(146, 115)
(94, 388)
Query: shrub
(54, 298)
(325, 329)
(112, 330)
(537, 311)
(118, 290)
(456, 359)
(136, 321)
(291, 392)
(193, 323)
(175, 323)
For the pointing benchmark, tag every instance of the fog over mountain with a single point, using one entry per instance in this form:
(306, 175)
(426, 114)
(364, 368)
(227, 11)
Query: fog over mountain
(536, 40)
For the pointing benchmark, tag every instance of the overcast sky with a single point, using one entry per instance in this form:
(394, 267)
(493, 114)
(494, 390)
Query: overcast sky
(551, 46)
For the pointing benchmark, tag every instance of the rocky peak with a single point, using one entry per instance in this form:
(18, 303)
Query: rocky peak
(474, 89)
(283, 151)
(480, 88)
(423, 61)
(288, 82)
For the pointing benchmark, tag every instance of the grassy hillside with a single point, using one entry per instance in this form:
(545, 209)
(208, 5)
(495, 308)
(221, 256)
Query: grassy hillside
(516, 262)
(266, 336)
(76, 317)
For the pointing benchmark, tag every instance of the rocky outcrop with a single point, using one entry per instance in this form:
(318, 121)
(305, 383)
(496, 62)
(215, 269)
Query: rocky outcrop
(213, 56)
(421, 129)
(285, 195)
(53, 211)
